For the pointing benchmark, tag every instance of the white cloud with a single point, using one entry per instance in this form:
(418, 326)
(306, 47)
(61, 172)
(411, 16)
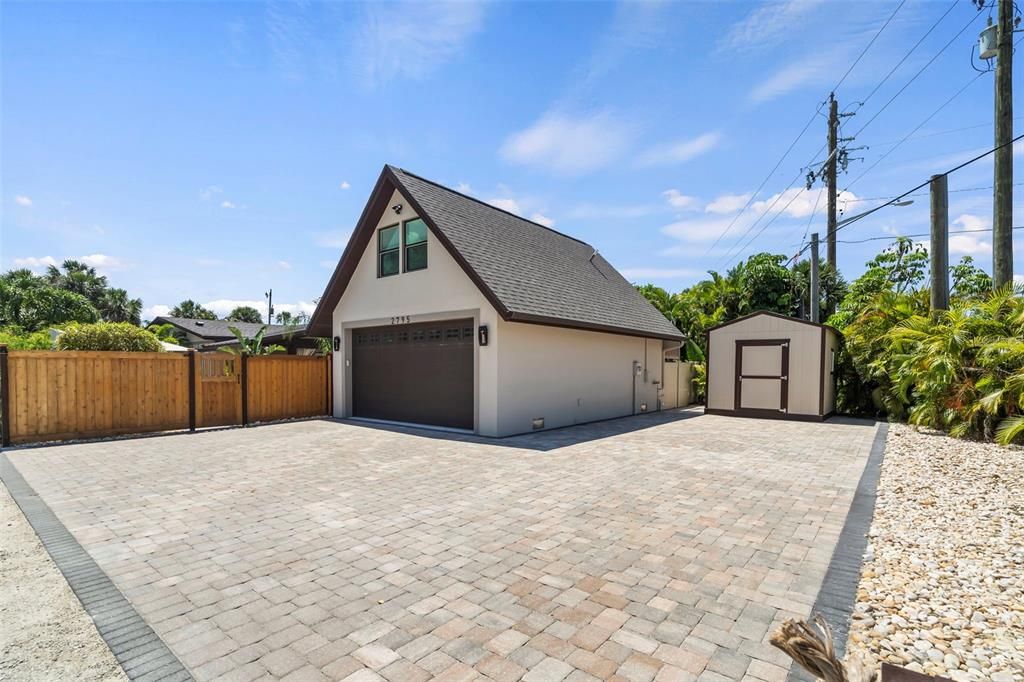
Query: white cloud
(789, 78)
(637, 274)
(223, 306)
(676, 199)
(102, 261)
(208, 193)
(35, 264)
(154, 311)
(227, 204)
(681, 151)
(333, 239)
(768, 25)
(463, 188)
(728, 203)
(542, 219)
(567, 145)
(510, 205)
(284, 265)
(971, 244)
(344, 184)
(412, 39)
(22, 200)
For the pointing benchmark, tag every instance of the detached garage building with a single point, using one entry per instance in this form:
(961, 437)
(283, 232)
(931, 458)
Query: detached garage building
(447, 311)
(772, 366)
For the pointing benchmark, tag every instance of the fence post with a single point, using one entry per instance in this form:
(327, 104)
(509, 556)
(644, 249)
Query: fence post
(5, 397)
(245, 389)
(191, 389)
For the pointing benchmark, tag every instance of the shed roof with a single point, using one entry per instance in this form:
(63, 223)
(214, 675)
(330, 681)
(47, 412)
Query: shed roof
(769, 313)
(528, 272)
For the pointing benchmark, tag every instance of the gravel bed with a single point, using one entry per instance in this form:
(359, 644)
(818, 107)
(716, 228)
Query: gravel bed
(45, 633)
(942, 585)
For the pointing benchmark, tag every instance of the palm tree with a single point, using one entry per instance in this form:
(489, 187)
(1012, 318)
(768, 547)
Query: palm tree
(192, 310)
(117, 307)
(245, 313)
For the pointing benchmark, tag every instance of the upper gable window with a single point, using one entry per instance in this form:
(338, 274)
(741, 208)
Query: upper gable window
(388, 249)
(415, 244)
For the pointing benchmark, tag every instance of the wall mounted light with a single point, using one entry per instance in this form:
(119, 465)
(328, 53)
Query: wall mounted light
(337, 343)
(482, 334)
(397, 208)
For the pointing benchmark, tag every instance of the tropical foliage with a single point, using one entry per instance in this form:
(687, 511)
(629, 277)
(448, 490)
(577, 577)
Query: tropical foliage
(190, 309)
(245, 313)
(253, 345)
(113, 304)
(117, 336)
(16, 339)
(960, 370)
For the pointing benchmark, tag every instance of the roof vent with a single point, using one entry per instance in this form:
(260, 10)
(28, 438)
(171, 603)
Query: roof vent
(199, 323)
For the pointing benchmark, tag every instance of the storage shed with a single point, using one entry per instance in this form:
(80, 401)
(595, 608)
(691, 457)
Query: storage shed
(772, 366)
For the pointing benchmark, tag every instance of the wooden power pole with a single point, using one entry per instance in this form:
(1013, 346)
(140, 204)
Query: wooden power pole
(815, 295)
(833, 153)
(1002, 209)
(939, 251)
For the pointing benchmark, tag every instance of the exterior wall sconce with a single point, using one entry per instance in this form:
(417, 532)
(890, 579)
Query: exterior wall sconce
(397, 208)
(482, 333)
(337, 343)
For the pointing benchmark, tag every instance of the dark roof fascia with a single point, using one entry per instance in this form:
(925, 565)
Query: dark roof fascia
(443, 238)
(588, 326)
(777, 315)
(320, 323)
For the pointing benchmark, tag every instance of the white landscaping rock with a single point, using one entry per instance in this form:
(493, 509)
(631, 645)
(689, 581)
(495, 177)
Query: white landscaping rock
(942, 585)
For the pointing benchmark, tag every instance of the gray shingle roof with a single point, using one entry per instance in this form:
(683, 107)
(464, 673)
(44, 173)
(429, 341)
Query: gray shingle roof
(532, 270)
(218, 329)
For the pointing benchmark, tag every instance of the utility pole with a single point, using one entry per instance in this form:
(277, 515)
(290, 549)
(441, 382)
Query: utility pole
(815, 280)
(1002, 209)
(939, 251)
(270, 306)
(830, 172)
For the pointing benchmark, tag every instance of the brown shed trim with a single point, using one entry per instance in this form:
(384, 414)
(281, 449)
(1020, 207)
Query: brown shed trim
(783, 368)
(821, 375)
(768, 414)
(771, 314)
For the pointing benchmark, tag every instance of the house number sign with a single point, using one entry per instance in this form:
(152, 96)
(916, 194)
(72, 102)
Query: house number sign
(400, 319)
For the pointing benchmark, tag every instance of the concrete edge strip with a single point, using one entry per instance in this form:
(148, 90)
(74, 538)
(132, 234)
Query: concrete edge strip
(137, 648)
(838, 592)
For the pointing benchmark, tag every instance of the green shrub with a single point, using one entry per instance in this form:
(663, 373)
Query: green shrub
(16, 339)
(121, 336)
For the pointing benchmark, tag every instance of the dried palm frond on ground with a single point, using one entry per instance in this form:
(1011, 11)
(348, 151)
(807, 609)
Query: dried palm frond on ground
(813, 650)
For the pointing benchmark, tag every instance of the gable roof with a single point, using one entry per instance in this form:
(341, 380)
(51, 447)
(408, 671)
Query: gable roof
(217, 329)
(275, 335)
(769, 313)
(528, 272)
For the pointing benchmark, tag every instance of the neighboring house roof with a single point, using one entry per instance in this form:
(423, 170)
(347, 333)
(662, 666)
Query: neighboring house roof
(172, 346)
(217, 329)
(528, 272)
(772, 314)
(282, 335)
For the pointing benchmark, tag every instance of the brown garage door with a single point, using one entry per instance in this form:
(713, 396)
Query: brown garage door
(416, 373)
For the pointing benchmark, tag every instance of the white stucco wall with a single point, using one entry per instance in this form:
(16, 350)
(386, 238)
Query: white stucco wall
(804, 361)
(570, 376)
(441, 291)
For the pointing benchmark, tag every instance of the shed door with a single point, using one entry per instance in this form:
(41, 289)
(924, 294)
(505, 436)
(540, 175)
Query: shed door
(415, 373)
(762, 375)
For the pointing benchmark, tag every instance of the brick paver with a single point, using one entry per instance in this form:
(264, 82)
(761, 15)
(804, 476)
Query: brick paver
(665, 546)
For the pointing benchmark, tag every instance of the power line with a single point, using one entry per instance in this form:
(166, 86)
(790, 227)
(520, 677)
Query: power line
(914, 236)
(800, 135)
(924, 194)
(916, 75)
(915, 129)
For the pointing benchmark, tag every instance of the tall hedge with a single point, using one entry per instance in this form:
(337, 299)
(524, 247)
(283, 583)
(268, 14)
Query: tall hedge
(120, 336)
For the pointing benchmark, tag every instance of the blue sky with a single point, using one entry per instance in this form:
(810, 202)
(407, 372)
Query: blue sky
(214, 150)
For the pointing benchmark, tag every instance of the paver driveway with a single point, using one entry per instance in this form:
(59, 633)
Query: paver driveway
(663, 546)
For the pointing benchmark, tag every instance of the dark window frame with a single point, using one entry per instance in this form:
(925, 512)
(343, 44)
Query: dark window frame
(381, 252)
(406, 245)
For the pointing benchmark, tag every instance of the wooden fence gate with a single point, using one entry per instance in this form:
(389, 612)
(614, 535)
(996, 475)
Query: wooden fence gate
(63, 395)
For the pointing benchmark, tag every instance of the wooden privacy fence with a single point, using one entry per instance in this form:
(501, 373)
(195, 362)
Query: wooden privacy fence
(61, 395)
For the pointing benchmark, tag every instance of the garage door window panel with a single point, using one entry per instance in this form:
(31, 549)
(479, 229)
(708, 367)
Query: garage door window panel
(388, 251)
(415, 245)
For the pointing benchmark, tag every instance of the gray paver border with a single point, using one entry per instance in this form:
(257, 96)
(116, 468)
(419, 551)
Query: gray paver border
(838, 592)
(137, 648)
